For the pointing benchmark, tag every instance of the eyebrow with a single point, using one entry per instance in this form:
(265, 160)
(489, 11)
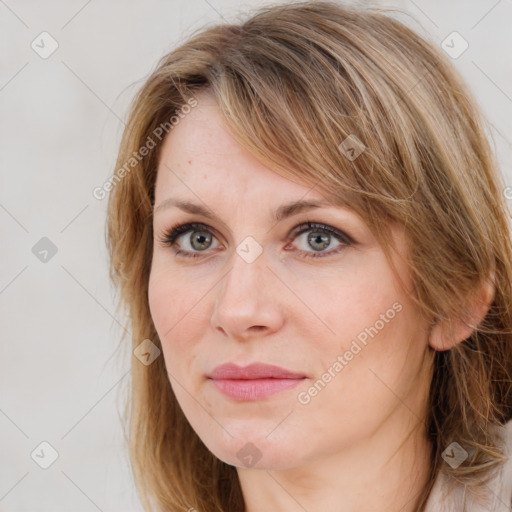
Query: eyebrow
(283, 212)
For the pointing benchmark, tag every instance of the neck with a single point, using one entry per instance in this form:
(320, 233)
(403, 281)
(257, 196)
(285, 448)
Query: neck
(386, 472)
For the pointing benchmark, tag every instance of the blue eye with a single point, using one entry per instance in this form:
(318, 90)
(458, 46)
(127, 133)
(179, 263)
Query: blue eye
(201, 237)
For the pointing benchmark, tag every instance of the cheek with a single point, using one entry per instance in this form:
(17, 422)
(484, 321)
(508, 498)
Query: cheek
(372, 329)
(179, 319)
(352, 305)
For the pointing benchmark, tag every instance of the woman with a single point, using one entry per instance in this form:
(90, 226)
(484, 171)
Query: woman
(309, 232)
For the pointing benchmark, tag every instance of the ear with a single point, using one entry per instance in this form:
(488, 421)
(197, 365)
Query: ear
(447, 333)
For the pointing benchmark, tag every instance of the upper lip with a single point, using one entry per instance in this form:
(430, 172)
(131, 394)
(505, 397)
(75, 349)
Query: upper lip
(253, 371)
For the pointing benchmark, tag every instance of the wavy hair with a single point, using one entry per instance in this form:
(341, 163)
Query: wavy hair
(294, 81)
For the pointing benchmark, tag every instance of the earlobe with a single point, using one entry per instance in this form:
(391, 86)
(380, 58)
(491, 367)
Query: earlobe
(447, 333)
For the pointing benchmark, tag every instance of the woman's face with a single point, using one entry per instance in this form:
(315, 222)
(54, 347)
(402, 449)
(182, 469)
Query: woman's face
(249, 288)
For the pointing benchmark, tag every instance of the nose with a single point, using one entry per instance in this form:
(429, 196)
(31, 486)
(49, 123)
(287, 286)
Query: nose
(248, 302)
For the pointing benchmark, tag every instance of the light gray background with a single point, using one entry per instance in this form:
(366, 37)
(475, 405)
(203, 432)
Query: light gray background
(60, 378)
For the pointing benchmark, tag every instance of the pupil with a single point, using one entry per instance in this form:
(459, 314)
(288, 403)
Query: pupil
(201, 240)
(318, 239)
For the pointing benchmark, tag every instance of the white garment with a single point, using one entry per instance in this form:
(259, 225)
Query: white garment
(446, 498)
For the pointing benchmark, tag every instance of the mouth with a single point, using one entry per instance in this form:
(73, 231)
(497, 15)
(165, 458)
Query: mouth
(253, 382)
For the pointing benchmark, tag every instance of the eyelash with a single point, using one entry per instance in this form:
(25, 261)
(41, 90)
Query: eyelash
(170, 236)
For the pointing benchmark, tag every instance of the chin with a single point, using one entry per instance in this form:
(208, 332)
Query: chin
(254, 450)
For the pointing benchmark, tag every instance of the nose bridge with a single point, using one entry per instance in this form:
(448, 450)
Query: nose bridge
(241, 282)
(243, 301)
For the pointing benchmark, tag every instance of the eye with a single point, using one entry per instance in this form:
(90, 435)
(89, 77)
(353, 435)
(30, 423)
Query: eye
(200, 237)
(319, 237)
(199, 240)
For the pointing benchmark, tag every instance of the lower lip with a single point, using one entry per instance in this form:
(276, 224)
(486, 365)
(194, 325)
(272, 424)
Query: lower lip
(256, 389)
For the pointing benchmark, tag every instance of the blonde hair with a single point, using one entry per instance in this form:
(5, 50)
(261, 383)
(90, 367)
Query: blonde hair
(294, 81)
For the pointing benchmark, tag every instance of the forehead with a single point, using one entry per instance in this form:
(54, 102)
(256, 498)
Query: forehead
(200, 153)
(202, 129)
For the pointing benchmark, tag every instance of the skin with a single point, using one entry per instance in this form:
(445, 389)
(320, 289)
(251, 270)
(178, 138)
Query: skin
(360, 443)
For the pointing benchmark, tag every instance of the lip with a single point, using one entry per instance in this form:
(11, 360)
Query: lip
(253, 371)
(253, 382)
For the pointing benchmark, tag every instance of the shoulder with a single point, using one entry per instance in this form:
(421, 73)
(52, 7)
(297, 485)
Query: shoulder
(447, 498)
(506, 479)
(502, 484)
